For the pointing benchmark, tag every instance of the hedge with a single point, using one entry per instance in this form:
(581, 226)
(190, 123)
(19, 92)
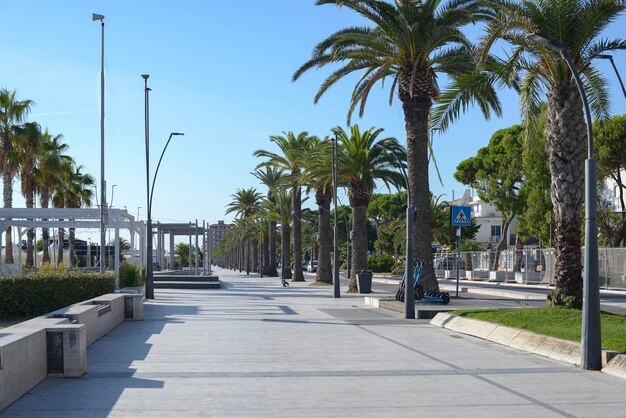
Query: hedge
(380, 263)
(38, 293)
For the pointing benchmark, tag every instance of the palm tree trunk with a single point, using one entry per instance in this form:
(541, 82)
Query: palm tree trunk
(71, 247)
(324, 268)
(416, 115)
(7, 178)
(298, 276)
(565, 130)
(359, 244)
(45, 234)
(267, 269)
(255, 255)
(60, 253)
(284, 245)
(30, 235)
(272, 251)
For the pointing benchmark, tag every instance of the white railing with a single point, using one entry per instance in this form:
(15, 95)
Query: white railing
(533, 265)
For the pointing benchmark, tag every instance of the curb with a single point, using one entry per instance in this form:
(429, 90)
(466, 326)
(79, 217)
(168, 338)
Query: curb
(555, 348)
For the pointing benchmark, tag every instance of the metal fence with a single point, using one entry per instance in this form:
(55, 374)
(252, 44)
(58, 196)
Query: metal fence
(528, 266)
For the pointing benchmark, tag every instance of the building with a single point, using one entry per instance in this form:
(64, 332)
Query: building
(216, 235)
(487, 218)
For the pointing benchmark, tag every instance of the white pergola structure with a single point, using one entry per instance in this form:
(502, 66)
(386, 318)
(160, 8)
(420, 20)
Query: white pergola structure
(190, 230)
(24, 219)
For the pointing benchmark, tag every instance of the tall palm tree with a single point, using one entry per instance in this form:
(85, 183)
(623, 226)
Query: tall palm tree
(362, 159)
(270, 177)
(80, 193)
(245, 204)
(28, 153)
(290, 160)
(61, 199)
(577, 24)
(411, 42)
(12, 113)
(51, 177)
(318, 175)
(284, 208)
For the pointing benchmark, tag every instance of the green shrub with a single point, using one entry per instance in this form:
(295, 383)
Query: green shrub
(45, 291)
(380, 263)
(129, 275)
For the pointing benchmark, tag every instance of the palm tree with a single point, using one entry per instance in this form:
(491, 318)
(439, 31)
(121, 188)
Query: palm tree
(363, 159)
(270, 177)
(28, 150)
(12, 114)
(577, 24)
(245, 204)
(293, 150)
(411, 42)
(318, 176)
(51, 176)
(80, 193)
(61, 199)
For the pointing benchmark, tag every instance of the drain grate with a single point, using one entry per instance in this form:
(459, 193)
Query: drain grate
(54, 349)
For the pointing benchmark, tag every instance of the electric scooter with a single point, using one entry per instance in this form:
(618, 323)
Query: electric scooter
(429, 296)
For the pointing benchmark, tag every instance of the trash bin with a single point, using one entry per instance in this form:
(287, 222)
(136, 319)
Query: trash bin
(287, 273)
(364, 281)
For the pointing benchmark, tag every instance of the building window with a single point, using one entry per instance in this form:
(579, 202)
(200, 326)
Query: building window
(496, 230)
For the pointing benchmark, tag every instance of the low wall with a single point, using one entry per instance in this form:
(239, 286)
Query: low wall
(56, 344)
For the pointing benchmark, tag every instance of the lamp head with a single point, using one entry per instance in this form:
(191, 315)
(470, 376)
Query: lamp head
(603, 56)
(145, 76)
(177, 133)
(95, 16)
(546, 42)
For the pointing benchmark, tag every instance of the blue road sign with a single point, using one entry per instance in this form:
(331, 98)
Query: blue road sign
(461, 216)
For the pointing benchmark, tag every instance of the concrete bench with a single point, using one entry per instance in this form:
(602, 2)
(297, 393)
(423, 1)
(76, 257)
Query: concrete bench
(55, 344)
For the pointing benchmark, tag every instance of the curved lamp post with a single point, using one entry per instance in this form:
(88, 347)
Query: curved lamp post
(610, 58)
(591, 351)
(150, 194)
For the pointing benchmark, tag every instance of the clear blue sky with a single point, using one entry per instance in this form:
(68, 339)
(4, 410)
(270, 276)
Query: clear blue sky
(220, 73)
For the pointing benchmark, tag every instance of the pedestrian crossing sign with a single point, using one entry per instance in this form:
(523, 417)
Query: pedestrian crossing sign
(460, 216)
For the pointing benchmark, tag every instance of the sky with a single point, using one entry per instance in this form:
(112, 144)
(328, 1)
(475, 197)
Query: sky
(220, 72)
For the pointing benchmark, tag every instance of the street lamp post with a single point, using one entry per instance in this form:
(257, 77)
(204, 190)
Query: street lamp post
(610, 58)
(103, 205)
(333, 147)
(150, 194)
(591, 346)
(409, 286)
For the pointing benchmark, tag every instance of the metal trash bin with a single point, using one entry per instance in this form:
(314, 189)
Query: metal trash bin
(287, 273)
(364, 281)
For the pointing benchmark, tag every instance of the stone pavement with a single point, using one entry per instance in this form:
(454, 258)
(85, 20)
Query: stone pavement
(254, 348)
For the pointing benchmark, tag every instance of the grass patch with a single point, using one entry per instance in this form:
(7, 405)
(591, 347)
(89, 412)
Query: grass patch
(556, 322)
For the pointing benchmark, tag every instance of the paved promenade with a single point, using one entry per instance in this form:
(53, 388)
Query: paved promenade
(254, 348)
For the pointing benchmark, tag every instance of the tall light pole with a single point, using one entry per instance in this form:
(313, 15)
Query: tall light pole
(149, 272)
(103, 204)
(610, 58)
(150, 195)
(409, 286)
(333, 147)
(591, 344)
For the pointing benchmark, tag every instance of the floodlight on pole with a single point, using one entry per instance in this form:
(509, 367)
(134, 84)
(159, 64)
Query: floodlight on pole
(610, 58)
(591, 345)
(103, 205)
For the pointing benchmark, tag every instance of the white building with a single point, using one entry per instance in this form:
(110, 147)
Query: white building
(487, 218)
